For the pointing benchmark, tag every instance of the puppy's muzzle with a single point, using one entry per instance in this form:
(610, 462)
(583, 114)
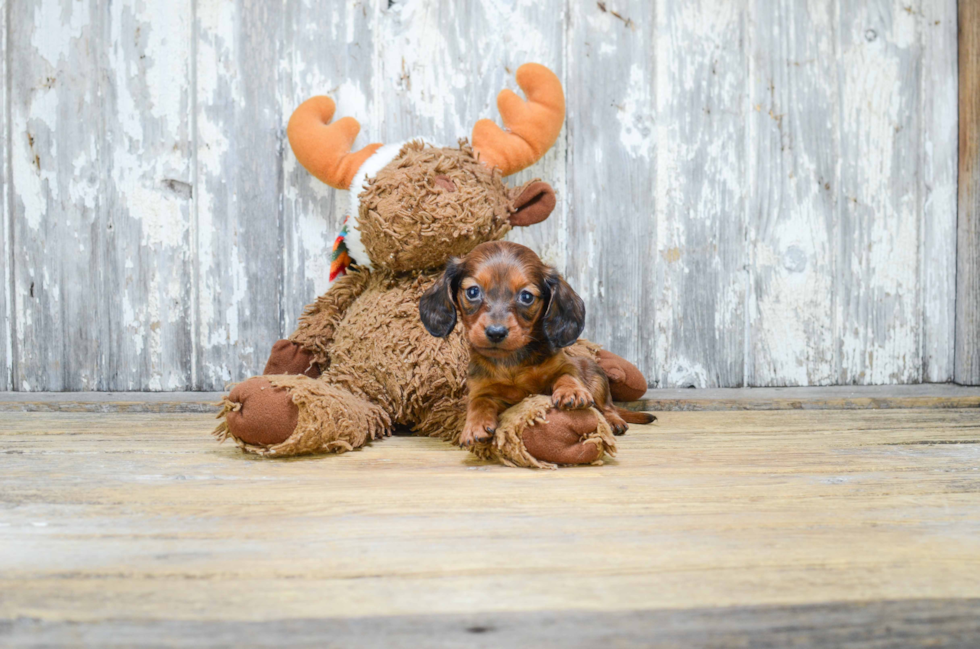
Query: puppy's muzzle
(495, 333)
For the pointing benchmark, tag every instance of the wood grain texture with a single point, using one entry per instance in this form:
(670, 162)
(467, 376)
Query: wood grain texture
(239, 153)
(142, 520)
(836, 397)
(6, 223)
(937, 191)
(59, 162)
(757, 192)
(909, 624)
(968, 223)
(878, 299)
(792, 170)
(611, 164)
(701, 197)
(147, 254)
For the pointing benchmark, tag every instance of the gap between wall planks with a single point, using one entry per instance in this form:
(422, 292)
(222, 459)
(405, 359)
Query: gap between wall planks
(968, 223)
(738, 204)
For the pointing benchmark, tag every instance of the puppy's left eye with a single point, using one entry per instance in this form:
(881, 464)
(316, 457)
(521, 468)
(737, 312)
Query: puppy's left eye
(526, 297)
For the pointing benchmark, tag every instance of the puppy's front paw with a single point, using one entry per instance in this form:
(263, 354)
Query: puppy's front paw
(477, 430)
(568, 397)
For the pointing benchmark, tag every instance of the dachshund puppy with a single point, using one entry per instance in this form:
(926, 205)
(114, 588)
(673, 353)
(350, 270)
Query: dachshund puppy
(518, 315)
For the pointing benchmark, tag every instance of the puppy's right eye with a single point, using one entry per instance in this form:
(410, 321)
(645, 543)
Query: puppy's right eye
(473, 292)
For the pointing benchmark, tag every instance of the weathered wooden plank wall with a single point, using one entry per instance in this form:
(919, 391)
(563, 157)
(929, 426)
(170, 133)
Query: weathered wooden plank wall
(759, 192)
(968, 257)
(6, 293)
(611, 226)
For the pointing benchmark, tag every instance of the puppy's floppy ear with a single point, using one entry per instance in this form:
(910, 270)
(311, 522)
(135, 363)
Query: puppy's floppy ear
(564, 317)
(437, 308)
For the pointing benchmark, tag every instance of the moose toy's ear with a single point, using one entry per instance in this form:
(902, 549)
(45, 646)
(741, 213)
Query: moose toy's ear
(564, 319)
(437, 308)
(325, 148)
(533, 205)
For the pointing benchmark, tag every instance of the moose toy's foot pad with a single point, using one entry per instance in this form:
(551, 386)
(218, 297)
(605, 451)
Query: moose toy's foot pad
(258, 414)
(533, 434)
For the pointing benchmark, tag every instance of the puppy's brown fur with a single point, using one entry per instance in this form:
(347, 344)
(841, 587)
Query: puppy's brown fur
(518, 315)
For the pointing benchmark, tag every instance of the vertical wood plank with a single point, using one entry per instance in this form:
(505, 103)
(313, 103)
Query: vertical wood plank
(239, 180)
(937, 194)
(611, 157)
(6, 243)
(149, 187)
(701, 195)
(878, 306)
(328, 50)
(791, 173)
(58, 166)
(968, 223)
(442, 64)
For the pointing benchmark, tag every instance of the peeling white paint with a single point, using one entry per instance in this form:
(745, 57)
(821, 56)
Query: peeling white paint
(636, 132)
(800, 165)
(56, 23)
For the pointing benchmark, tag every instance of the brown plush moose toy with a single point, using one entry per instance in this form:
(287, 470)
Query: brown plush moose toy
(360, 361)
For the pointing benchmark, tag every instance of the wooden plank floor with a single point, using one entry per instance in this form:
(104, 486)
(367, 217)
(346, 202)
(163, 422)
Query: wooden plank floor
(750, 528)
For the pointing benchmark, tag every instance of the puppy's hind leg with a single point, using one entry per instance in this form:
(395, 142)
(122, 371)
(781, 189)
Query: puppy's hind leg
(598, 385)
(617, 423)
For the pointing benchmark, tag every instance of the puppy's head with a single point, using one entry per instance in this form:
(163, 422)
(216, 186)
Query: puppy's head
(507, 299)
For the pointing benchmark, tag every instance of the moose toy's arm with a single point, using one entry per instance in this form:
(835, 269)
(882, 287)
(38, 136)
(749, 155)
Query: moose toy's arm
(308, 349)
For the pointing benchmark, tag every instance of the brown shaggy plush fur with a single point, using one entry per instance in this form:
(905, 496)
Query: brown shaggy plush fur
(379, 367)
(408, 221)
(381, 353)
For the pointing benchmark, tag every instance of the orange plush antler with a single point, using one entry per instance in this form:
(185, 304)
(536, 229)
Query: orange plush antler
(532, 126)
(324, 148)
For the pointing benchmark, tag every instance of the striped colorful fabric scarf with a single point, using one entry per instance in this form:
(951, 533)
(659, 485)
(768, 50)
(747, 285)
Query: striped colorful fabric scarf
(340, 258)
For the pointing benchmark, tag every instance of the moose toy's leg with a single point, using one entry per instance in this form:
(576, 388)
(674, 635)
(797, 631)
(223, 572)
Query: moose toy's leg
(271, 414)
(626, 383)
(283, 415)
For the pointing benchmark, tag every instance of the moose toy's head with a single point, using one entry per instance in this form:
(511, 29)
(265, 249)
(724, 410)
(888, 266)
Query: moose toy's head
(413, 205)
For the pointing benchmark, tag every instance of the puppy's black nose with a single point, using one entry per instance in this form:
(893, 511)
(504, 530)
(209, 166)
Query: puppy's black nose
(495, 333)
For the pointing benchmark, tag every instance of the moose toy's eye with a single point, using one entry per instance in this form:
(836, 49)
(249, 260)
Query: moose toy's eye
(473, 292)
(526, 297)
